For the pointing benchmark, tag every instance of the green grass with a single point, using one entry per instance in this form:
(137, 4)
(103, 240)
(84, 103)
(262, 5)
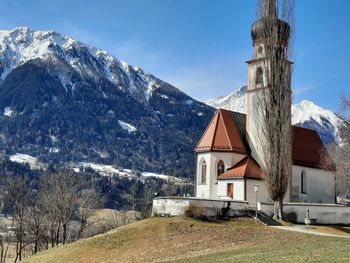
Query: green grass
(187, 240)
(318, 251)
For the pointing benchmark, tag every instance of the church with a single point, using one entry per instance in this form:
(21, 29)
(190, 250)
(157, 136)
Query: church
(228, 153)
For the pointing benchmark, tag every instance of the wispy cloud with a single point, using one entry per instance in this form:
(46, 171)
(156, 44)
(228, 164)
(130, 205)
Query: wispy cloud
(302, 89)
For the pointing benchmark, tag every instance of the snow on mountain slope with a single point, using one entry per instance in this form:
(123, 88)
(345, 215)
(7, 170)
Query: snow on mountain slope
(234, 101)
(23, 44)
(126, 126)
(24, 158)
(305, 114)
(309, 115)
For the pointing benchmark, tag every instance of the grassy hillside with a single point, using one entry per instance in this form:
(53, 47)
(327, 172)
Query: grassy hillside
(186, 240)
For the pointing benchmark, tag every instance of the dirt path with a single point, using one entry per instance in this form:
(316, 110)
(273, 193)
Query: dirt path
(302, 229)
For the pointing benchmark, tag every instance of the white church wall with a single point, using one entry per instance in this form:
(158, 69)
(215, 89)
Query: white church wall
(210, 189)
(203, 190)
(238, 189)
(262, 193)
(320, 185)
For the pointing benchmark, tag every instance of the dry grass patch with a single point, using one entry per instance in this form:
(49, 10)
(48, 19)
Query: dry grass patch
(167, 239)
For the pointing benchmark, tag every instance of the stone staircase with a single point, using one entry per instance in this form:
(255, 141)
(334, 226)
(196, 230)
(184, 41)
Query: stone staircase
(264, 218)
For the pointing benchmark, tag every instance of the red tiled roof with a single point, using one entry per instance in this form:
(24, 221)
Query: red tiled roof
(247, 168)
(222, 134)
(309, 150)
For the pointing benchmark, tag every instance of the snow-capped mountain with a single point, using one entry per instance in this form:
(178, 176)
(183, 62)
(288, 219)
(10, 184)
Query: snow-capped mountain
(22, 44)
(64, 101)
(235, 101)
(306, 114)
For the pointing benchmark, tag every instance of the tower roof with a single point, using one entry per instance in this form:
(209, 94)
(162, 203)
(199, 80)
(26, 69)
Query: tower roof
(223, 134)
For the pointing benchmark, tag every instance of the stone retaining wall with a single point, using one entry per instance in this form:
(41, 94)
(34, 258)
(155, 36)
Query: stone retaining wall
(327, 214)
(177, 206)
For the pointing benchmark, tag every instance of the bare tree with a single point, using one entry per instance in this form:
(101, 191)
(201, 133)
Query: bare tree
(170, 187)
(345, 107)
(340, 152)
(134, 192)
(88, 204)
(273, 100)
(50, 211)
(59, 195)
(115, 219)
(5, 240)
(18, 195)
(35, 226)
(65, 188)
(147, 200)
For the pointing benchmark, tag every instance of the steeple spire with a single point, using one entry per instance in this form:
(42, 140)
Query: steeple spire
(271, 8)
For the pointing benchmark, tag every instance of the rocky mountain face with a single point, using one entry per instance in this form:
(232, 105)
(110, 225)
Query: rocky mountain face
(305, 114)
(63, 101)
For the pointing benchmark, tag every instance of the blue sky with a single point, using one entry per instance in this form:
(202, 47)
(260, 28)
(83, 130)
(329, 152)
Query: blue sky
(200, 46)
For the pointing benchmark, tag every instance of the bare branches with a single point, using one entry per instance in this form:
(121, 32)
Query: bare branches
(288, 15)
(341, 153)
(345, 107)
(5, 240)
(261, 9)
(18, 195)
(65, 192)
(88, 202)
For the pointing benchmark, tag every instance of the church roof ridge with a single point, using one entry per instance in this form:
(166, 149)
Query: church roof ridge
(222, 134)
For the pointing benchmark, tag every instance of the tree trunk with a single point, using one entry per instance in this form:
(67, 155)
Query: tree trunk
(64, 233)
(2, 251)
(80, 231)
(52, 237)
(58, 234)
(278, 209)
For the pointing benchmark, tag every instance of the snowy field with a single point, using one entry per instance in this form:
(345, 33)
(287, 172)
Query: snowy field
(103, 169)
(24, 158)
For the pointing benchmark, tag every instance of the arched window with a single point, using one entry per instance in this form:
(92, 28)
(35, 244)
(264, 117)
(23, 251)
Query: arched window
(303, 182)
(204, 172)
(259, 77)
(220, 168)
